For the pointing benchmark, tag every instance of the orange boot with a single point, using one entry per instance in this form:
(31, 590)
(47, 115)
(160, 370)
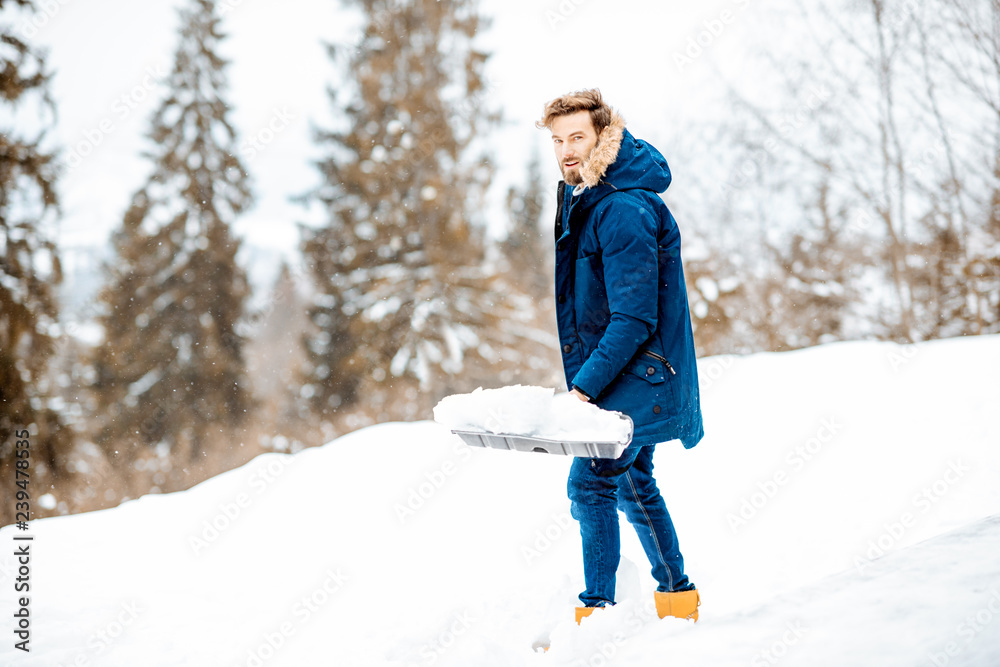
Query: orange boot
(682, 604)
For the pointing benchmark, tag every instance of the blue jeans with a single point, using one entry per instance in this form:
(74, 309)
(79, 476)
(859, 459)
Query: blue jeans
(599, 487)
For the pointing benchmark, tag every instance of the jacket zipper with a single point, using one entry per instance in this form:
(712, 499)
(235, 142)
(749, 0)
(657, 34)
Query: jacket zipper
(663, 360)
(560, 191)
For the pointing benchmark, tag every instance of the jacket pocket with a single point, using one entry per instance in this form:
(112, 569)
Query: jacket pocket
(642, 391)
(648, 367)
(661, 401)
(661, 359)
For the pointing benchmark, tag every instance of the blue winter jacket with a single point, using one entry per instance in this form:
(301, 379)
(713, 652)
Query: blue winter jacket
(621, 301)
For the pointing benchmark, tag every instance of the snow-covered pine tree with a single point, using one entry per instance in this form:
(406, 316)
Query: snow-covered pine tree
(405, 307)
(528, 248)
(29, 261)
(171, 368)
(274, 357)
(528, 263)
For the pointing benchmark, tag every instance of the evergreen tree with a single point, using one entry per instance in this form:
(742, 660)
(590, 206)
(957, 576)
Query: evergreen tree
(404, 301)
(528, 264)
(274, 355)
(29, 261)
(527, 249)
(171, 367)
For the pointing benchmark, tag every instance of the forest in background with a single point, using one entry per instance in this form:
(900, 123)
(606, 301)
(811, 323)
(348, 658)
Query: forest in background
(862, 202)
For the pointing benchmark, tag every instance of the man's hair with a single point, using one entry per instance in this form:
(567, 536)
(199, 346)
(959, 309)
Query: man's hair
(582, 100)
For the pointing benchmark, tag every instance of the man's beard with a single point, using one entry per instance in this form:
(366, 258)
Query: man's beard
(573, 176)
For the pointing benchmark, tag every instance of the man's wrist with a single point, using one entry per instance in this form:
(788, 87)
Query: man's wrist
(584, 395)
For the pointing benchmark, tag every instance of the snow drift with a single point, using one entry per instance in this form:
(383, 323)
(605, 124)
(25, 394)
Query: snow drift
(842, 509)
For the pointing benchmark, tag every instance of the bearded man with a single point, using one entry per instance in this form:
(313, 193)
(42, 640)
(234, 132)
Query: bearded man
(625, 332)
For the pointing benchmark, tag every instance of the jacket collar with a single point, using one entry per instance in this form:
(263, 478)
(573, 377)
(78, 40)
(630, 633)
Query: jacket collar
(604, 154)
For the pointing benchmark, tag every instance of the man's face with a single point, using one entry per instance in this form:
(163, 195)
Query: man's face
(573, 138)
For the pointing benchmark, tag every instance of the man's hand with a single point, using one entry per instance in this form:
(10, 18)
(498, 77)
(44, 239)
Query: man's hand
(579, 394)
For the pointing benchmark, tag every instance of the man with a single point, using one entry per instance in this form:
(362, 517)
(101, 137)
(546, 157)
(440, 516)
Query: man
(625, 332)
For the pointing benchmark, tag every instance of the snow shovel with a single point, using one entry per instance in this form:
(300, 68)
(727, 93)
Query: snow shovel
(527, 443)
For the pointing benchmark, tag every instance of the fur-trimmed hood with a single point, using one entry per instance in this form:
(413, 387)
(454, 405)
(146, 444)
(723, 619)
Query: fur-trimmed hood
(623, 162)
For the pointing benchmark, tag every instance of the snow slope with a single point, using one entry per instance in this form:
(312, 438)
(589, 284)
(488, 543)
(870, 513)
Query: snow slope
(842, 509)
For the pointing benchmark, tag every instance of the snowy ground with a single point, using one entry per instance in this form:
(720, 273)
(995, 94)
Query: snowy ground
(843, 509)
